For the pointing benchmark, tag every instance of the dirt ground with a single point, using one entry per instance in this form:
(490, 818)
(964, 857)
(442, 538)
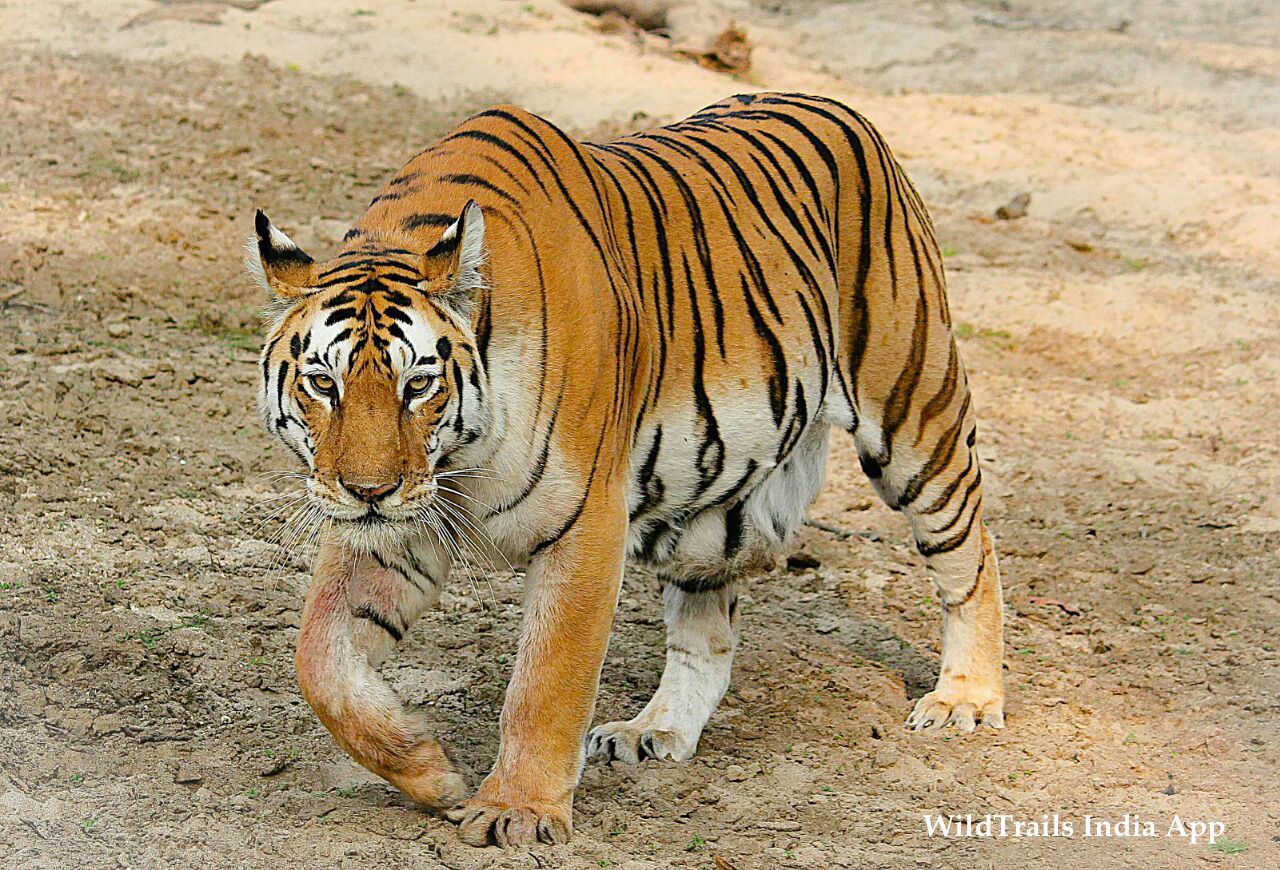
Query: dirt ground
(1123, 341)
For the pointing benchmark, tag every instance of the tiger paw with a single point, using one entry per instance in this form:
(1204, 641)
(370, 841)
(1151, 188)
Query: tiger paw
(506, 823)
(433, 789)
(956, 705)
(634, 742)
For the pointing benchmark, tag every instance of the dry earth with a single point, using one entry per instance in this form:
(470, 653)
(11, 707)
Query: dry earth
(1124, 345)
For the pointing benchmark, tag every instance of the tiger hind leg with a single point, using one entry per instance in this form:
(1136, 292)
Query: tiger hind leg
(933, 477)
(701, 640)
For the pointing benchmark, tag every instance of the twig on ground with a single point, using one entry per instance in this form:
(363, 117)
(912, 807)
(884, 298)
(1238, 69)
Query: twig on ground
(844, 534)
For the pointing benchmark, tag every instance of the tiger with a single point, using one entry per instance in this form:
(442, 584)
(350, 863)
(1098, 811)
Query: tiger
(576, 356)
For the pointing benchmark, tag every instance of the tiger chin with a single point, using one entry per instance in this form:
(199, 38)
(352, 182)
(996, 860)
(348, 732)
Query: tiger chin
(576, 355)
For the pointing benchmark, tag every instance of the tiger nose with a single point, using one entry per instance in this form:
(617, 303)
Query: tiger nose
(371, 492)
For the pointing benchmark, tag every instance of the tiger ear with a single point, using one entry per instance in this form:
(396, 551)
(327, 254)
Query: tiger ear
(451, 268)
(276, 262)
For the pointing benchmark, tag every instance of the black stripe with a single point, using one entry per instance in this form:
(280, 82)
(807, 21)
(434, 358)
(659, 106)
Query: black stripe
(366, 611)
(497, 142)
(431, 219)
(469, 180)
(340, 315)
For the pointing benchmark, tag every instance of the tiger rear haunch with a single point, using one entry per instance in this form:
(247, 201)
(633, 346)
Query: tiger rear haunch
(577, 354)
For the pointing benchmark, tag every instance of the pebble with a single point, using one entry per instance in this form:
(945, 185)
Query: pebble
(107, 723)
(1014, 208)
(188, 776)
(779, 825)
(322, 809)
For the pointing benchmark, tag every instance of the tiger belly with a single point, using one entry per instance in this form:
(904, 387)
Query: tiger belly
(739, 524)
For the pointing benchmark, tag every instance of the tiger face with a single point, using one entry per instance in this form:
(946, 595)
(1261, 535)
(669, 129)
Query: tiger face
(370, 375)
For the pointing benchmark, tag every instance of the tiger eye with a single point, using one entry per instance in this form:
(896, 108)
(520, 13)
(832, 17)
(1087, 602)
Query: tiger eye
(418, 385)
(322, 382)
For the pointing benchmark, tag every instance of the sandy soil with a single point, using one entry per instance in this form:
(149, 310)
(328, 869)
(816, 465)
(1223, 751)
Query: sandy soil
(1124, 345)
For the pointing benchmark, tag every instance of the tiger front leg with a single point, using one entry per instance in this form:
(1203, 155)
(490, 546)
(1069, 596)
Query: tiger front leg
(358, 606)
(569, 607)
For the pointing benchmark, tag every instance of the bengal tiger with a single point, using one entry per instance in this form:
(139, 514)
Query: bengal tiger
(577, 354)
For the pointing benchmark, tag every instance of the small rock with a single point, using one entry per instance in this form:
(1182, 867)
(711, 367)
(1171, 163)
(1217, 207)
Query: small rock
(32, 700)
(779, 825)
(107, 723)
(277, 766)
(322, 809)
(199, 554)
(78, 721)
(118, 330)
(1014, 208)
(187, 776)
(827, 625)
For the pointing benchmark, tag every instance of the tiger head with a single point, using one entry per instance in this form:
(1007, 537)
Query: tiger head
(370, 373)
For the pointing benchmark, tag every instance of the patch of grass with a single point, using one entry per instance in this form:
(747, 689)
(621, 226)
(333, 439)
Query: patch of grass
(254, 792)
(399, 90)
(1230, 847)
(695, 843)
(150, 637)
(105, 168)
(949, 252)
(996, 338)
(87, 824)
(4, 187)
(235, 336)
(1133, 264)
